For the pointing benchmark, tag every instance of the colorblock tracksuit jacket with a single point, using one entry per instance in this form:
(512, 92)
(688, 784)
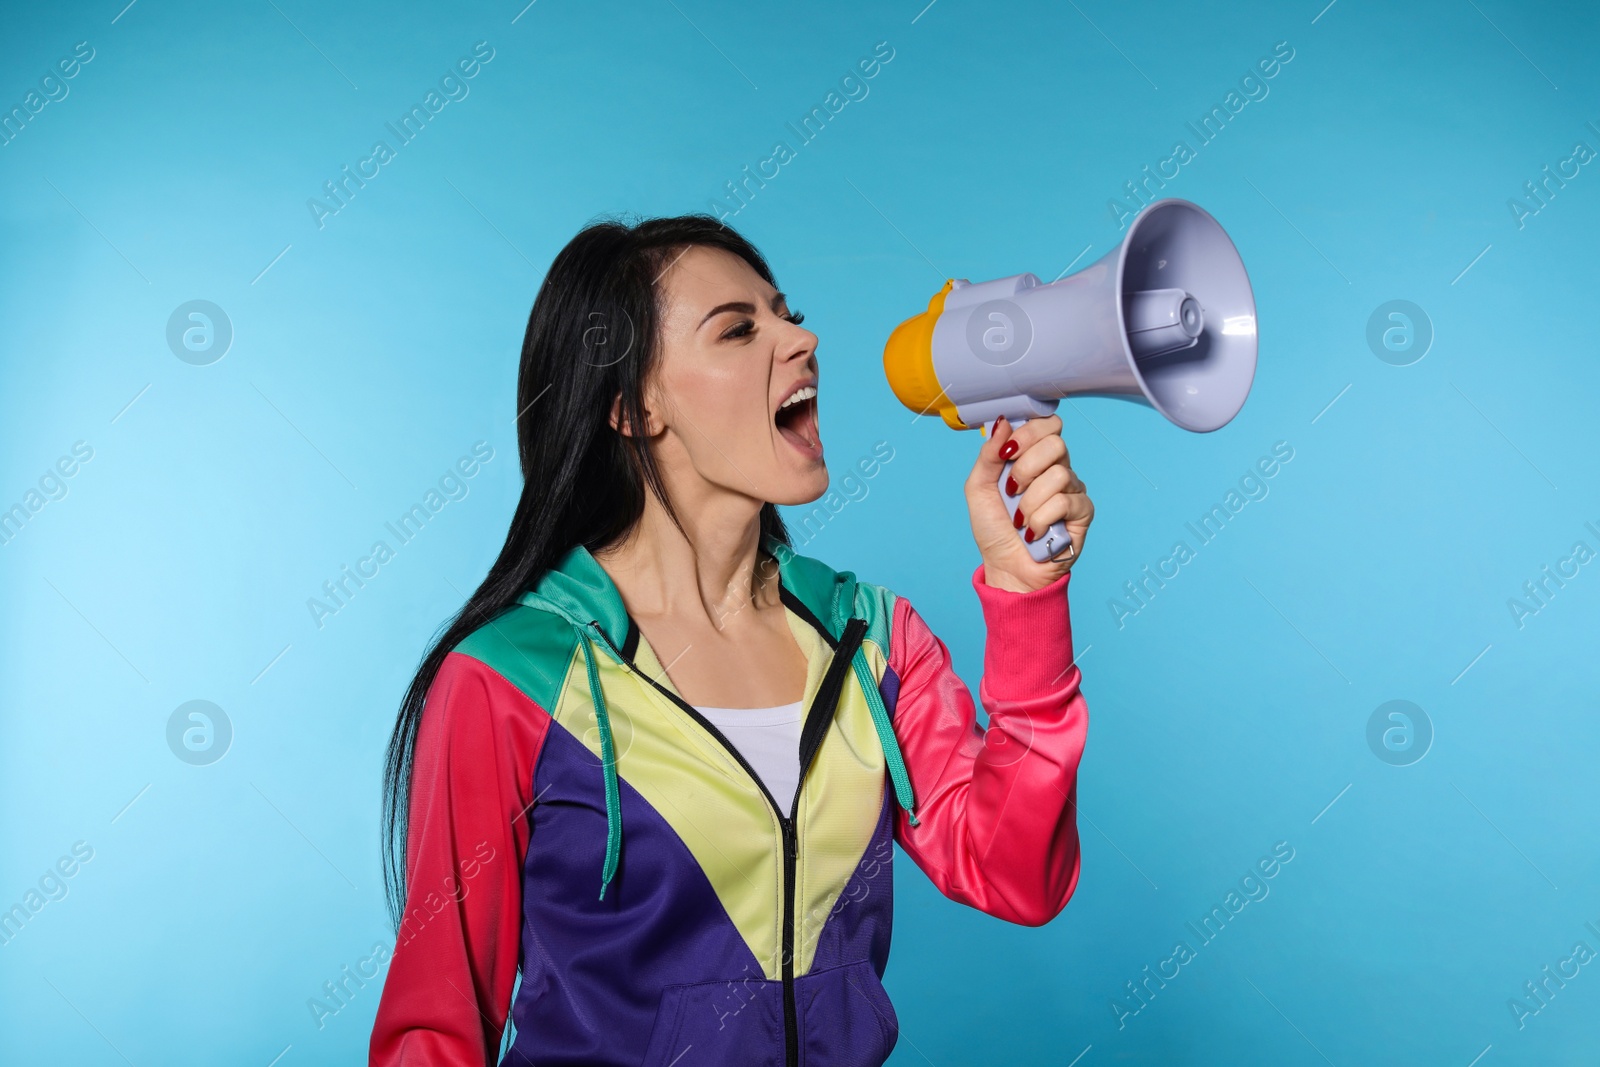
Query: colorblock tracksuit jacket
(573, 820)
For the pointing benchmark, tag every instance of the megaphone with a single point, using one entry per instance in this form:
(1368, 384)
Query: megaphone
(1166, 319)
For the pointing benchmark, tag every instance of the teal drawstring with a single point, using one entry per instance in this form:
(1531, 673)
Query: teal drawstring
(880, 721)
(886, 738)
(608, 761)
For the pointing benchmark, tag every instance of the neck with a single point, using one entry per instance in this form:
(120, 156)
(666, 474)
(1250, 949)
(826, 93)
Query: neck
(709, 569)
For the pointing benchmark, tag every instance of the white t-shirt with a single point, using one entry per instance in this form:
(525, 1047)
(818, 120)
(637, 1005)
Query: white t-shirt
(769, 740)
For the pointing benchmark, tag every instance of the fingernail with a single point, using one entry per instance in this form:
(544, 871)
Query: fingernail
(1028, 536)
(1008, 449)
(1011, 486)
(1017, 520)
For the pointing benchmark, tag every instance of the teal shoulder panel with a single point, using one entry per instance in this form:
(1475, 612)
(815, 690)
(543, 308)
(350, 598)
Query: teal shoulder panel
(835, 596)
(875, 604)
(528, 647)
(818, 586)
(579, 590)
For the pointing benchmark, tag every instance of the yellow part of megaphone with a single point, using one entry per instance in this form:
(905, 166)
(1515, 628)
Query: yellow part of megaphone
(908, 363)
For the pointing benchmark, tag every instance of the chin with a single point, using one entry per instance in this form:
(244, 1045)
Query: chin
(802, 488)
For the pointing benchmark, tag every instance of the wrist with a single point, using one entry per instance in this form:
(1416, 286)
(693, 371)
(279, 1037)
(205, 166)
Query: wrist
(998, 577)
(1028, 650)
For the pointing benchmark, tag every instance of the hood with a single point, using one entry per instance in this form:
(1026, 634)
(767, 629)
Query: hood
(579, 590)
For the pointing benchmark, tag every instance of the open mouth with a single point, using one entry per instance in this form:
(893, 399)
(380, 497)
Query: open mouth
(796, 419)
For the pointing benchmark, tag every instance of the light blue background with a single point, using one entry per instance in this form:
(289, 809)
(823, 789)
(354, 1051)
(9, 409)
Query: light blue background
(1225, 716)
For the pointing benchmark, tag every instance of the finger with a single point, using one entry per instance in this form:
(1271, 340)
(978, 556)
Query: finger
(1052, 427)
(1035, 430)
(1039, 457)
(988, 464)
(1062, 507)
(1051, 481)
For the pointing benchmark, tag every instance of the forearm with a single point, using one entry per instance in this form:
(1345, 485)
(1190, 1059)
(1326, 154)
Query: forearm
(996, 807)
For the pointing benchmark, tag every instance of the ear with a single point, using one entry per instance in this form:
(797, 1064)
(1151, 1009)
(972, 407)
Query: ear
(620, 424)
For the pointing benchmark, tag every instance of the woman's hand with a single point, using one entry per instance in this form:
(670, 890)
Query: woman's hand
(1051, 492)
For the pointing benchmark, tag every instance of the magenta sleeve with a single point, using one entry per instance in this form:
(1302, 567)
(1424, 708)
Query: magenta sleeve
(448, 989)
(997, 807)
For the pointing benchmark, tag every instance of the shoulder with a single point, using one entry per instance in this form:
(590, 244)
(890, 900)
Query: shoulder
(527, 647)
(838, 595)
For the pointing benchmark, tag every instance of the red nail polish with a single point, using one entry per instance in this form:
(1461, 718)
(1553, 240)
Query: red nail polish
(1017, 520)
(1011, 486)
(1028, 537)
(1008, 449)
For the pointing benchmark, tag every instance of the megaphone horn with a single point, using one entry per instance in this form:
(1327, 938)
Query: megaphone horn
(1166, 319)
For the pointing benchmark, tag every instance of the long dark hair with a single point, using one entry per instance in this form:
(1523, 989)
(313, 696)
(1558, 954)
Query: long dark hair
(593, 335)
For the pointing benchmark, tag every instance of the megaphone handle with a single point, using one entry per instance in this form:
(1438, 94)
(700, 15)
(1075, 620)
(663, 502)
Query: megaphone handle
(1055, 540)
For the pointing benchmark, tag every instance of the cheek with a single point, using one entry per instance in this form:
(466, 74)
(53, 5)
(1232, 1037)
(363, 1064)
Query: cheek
(730, 400)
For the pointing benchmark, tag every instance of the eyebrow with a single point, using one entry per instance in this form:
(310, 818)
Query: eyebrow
(741, 305)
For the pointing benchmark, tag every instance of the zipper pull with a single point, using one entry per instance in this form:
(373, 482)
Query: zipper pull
(794, 843)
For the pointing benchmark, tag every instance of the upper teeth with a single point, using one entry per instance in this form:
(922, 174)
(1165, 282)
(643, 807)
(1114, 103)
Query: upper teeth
(803, 393)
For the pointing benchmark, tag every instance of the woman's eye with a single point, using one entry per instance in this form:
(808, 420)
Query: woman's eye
(743, 327)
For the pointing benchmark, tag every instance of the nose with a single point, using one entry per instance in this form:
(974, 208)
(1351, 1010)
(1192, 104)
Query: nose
(797, 343)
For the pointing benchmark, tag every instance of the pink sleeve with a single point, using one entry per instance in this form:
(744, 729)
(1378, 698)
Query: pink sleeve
(997, 808)
(448, 990)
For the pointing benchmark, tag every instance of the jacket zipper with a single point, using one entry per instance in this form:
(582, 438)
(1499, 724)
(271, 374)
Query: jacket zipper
(810, 740)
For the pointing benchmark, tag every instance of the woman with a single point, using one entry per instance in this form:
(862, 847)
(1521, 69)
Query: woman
(565, 804)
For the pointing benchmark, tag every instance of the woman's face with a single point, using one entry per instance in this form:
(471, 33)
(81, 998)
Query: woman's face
(731, 356)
